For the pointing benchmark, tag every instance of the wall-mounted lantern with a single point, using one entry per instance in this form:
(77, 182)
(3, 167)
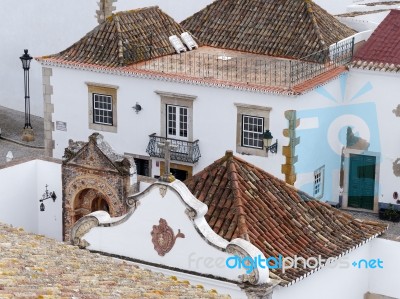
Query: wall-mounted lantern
(137, 107)
(267, 138)
(47, 195)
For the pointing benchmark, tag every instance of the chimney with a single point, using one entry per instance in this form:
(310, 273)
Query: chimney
(106, 9)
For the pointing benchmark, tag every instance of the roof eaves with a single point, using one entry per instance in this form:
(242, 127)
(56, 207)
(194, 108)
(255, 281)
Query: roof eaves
(335, 258)
(375, 66)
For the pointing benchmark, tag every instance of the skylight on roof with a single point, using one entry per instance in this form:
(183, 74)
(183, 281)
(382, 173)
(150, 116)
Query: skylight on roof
(177, 44)
(189, 41)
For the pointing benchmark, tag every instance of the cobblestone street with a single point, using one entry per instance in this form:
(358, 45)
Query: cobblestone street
(11, 125)
(18, 151)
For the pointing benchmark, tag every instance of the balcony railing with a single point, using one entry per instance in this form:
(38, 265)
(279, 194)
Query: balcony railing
(270, 71)
(185, 151)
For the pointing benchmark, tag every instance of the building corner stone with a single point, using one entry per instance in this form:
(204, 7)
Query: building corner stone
(288, 169)
(48, 111)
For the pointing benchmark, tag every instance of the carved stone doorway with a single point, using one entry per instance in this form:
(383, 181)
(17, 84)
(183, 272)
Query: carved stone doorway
(95, 177)
(87, 201)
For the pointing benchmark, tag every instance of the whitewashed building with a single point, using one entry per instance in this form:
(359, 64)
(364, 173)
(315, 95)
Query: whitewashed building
(351, 144)
(125, 79)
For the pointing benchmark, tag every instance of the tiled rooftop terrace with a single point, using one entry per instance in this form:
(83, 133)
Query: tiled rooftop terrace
(236, 67)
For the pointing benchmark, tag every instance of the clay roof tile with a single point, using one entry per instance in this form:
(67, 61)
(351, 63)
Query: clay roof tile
(276, 217)
(285, 28)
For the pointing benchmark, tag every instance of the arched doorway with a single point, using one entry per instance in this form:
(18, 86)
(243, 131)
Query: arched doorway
(87, 201)
(100, 204)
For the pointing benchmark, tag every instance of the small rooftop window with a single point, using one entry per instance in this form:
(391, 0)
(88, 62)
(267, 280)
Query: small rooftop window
(189, 41)
(177, 44)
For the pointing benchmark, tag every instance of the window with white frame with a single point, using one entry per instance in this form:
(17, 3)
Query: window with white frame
(318, 190)
(177, 122)
(176, 115)
(252, 122)
(252, 131)
(102, 109)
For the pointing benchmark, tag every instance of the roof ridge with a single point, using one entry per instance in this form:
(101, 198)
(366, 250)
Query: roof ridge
(310, 11)
(284, 28)
(124, 12)
(237, 197)
(120, 44)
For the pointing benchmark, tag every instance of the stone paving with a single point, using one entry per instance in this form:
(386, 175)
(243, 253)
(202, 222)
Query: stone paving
(11, 125)
(393, 232)
(33, 266)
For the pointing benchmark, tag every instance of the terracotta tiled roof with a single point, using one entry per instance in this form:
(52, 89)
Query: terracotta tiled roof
(245, 201)
(33, 266)
(125, 38)
(382, 49)
(286, 28)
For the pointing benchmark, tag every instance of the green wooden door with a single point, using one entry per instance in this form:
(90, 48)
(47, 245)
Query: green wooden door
(362, 181)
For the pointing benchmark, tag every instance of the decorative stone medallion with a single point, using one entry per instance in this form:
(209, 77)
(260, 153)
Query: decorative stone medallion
(163, 237)
(163, 190)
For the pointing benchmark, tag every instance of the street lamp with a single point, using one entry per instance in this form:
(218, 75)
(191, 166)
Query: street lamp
(27, 134)
(267, 138)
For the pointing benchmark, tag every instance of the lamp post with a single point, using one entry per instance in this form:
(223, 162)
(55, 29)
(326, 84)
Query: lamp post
(27, 133)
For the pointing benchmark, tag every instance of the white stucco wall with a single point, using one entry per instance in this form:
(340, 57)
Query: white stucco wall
(363, 100)
(384, 281)
(196, 251)
(354, 281)
(21, 188)
(214, 121)
(323, 115)
(364, 22)
(341, 281)
(214, 115)
(381, 88)
(18, 187)
(49, 221)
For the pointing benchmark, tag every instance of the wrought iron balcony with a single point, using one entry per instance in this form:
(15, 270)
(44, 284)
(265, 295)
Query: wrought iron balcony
(185, 151)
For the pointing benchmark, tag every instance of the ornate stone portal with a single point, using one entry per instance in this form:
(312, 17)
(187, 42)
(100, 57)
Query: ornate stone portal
(94, 178)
